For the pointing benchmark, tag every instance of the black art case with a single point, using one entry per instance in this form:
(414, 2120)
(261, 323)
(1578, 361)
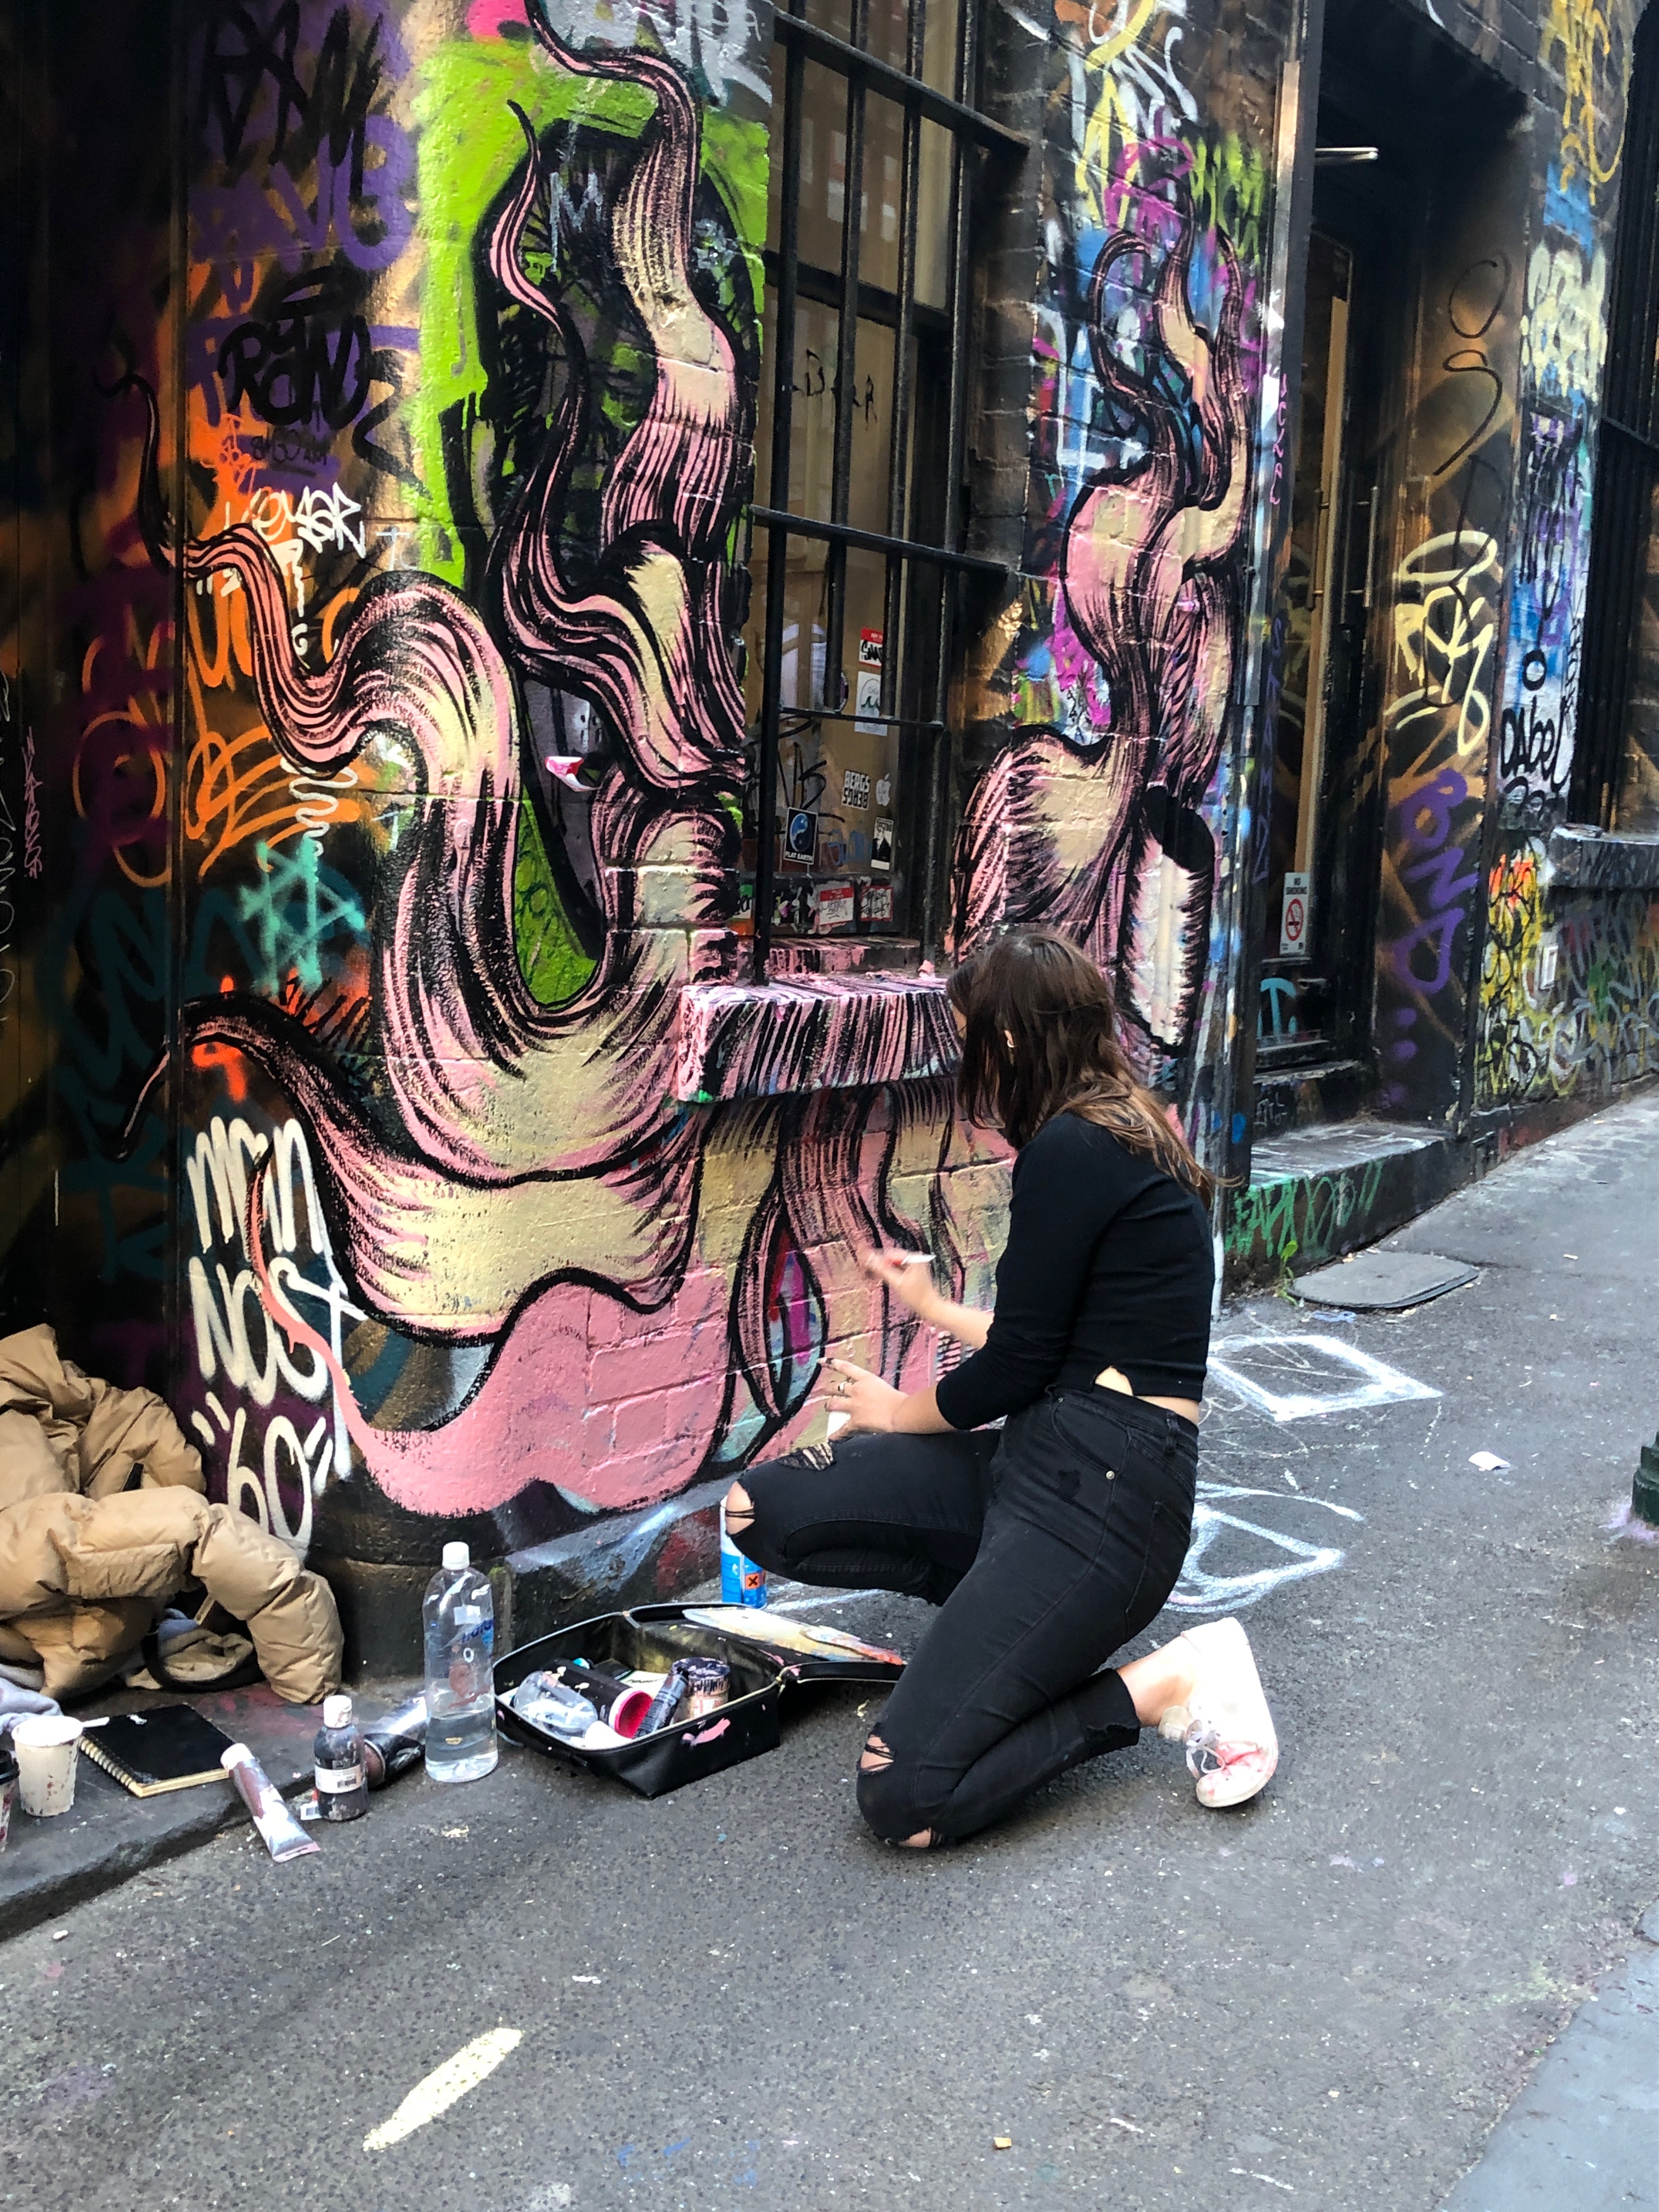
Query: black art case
(764, 1659)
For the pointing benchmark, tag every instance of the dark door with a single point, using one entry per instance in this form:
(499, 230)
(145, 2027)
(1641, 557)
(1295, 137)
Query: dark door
(1320, 893)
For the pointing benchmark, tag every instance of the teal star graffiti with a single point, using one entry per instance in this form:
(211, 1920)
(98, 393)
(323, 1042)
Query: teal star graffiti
(293, 910)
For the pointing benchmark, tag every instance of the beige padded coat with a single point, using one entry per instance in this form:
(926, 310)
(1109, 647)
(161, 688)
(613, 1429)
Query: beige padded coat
(103, 1518)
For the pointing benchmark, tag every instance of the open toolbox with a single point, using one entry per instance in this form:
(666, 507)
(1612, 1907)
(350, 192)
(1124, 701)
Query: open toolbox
(764, 1653)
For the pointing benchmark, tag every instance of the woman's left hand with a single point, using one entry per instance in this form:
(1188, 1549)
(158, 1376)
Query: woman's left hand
(868, 1402)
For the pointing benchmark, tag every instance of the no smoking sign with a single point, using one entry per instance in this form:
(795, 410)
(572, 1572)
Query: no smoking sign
(1293, 915)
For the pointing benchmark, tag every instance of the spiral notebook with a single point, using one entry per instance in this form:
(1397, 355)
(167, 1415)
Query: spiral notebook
(169, 1747)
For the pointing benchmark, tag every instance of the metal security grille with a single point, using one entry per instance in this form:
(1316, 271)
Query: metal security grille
(1627, 465)
(862, 547)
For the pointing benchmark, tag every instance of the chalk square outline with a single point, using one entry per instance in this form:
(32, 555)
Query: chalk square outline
(1382, 1385)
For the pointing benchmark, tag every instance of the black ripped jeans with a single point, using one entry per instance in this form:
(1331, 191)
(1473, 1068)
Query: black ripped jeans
(1047, 1546)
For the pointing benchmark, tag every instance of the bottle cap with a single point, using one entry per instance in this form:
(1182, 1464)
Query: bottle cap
(337, 1712)
(235, 1754)
(457, 1555)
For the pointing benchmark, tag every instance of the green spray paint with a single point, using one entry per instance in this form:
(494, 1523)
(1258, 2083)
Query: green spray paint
(468, 144)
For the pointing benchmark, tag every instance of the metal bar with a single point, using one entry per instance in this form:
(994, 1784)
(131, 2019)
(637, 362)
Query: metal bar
(1650, 446)
(938, 767)
(898, 457)
(847, 370)
(882, 77)
(903, 549)
(876, 303)
(799, 719)
(783, 393)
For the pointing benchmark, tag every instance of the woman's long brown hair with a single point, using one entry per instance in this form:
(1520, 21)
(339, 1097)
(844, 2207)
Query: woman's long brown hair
(1042, 1039)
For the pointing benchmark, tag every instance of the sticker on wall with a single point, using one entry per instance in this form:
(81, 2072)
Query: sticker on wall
(800, 839)
(876, 903)
(794, 908)
(881, 847)
(869, 677)
(834, 908)
(854, 789)
(883, 791)
(1293, 914)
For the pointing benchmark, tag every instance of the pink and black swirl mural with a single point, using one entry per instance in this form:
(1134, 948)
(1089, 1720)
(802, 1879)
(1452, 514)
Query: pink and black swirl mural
(471, 749)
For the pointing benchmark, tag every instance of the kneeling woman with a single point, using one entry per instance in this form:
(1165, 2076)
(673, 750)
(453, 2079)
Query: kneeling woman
(1052, 1541)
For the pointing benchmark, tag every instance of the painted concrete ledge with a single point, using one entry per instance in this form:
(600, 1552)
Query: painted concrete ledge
(107, 1836)
(1314, 1195)
(812, 1033)
(1589, 860)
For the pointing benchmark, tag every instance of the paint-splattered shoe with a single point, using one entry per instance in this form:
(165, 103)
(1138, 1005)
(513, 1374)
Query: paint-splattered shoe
(1232, 1746)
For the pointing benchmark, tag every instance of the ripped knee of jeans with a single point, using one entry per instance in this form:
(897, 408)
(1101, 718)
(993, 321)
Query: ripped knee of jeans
(739, 1511)
(886, 1797)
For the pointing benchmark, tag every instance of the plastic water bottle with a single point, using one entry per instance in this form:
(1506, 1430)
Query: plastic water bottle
(459, 1617)
(742, 1582)
(337, 1763)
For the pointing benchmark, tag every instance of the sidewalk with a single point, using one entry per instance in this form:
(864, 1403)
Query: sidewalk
(109, 1835)
(1583, 2135)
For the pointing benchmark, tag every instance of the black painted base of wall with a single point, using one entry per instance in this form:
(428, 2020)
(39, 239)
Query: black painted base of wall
(635, 1558)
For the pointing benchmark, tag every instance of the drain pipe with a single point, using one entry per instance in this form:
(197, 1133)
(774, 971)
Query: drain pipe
(1644, 1492)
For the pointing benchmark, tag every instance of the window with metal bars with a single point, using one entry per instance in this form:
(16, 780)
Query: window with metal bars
(1615, 768)
(859, 515)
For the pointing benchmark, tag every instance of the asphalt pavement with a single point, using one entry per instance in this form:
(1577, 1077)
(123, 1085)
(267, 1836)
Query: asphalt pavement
(733, 1997)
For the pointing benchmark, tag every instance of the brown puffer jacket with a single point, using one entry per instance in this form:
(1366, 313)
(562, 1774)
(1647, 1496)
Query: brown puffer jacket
(103, 1518)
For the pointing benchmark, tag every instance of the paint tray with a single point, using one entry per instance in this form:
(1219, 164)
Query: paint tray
(764, 1658)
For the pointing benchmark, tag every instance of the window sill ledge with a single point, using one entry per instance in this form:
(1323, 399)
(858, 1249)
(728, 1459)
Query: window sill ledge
(782, 1040)
(1583, 859)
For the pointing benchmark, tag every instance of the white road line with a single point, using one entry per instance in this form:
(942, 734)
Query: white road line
(445, 2085)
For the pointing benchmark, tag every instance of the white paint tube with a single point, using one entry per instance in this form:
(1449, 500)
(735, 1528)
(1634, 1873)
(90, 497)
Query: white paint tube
(284, 1838)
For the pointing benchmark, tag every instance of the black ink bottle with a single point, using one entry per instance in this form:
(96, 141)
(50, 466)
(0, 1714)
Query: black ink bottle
(342, 1785)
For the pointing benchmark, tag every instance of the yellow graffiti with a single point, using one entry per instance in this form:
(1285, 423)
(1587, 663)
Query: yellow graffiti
(1581, 45)
(1109, 40)
(1137, 96)
(1445, 628)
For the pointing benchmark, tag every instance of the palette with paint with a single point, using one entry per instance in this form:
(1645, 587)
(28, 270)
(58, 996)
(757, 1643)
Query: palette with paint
(764, 1657)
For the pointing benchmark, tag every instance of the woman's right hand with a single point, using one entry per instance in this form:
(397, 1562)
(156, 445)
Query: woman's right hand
(910, 1281)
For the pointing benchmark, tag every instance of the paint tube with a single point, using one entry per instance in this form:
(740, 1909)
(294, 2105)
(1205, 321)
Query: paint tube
(283, 1837)
(394, 1743)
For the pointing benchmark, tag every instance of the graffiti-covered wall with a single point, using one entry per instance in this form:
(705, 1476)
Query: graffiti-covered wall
(1569, 983)
(468, 1223)
(382, 1069)
(1114, 805)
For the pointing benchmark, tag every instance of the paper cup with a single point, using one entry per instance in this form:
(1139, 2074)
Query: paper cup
(44, 1744)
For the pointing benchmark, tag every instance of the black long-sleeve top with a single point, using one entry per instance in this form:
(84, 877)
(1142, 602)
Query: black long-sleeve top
(1108, 1263)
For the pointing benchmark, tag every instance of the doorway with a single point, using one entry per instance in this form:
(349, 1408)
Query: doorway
(1322, 826)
